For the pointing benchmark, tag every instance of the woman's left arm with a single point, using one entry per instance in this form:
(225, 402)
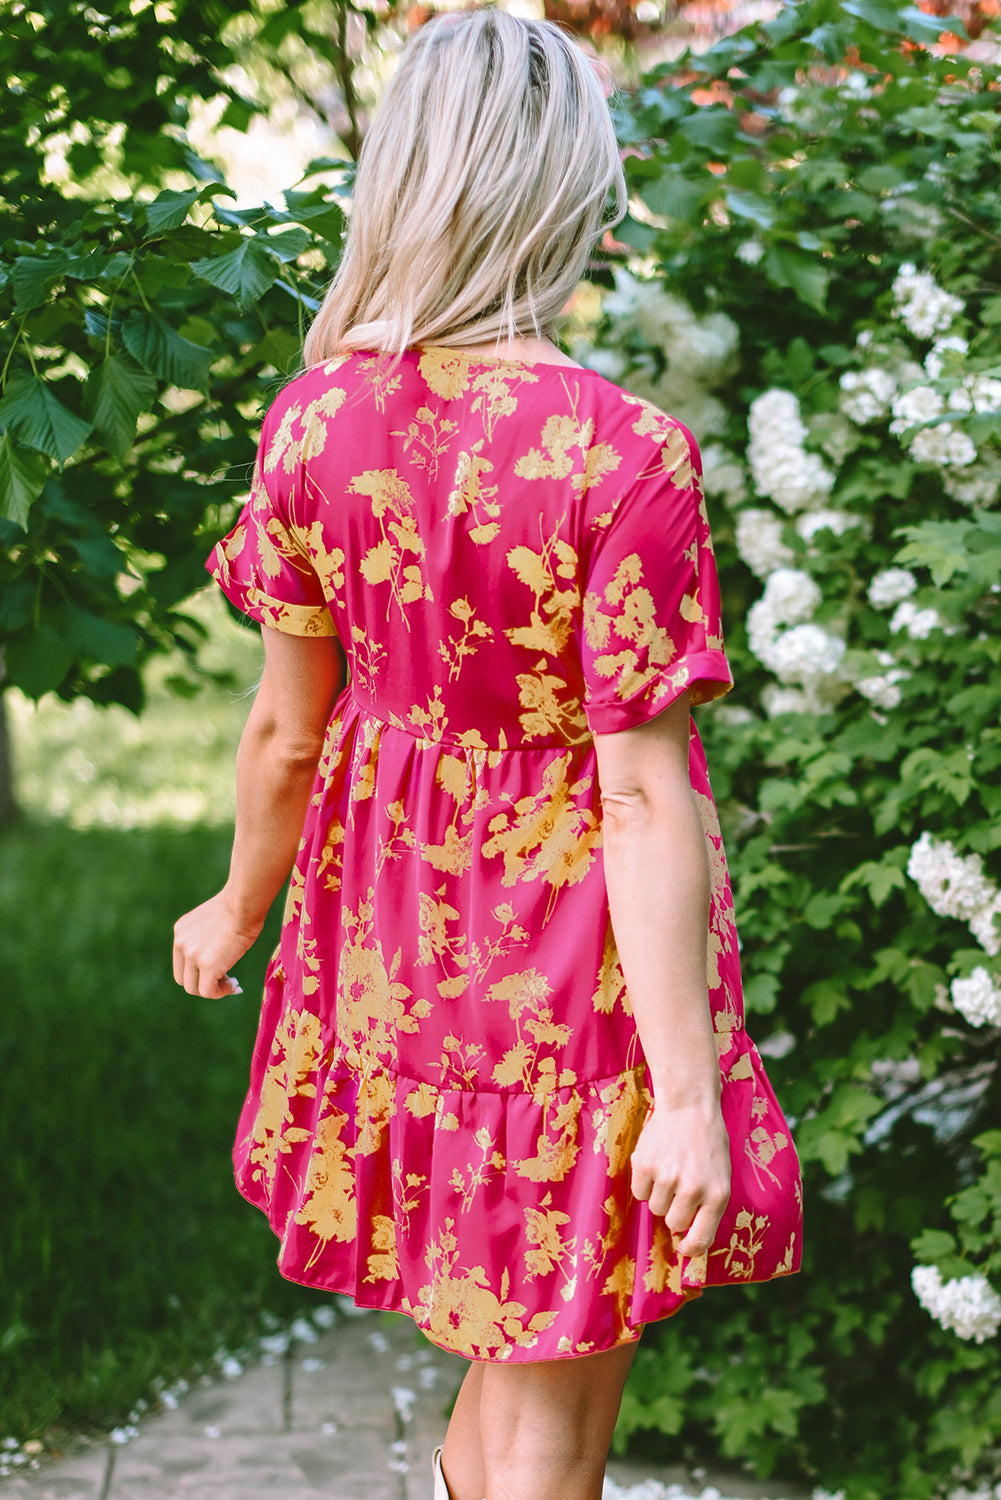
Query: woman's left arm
(275, 768)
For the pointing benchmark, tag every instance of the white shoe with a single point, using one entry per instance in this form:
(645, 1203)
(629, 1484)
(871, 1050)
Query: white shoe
(440, 1487)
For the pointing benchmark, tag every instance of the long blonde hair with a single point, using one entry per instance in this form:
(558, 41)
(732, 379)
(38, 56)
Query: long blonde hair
(482, 185)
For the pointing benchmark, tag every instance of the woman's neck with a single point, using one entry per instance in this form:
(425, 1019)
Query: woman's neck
(530, 349)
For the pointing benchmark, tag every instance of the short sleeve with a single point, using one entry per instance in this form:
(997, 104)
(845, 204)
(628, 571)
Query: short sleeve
(265, 565)
(651, 618)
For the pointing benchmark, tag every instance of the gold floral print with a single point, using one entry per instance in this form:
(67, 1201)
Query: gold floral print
(468, 1182)
(283, 449)
(624, 612)
(459, 1306)
(427, 437)
(746, 1241)
(551, 1249)
(393, 508)
(383, 1261)
(494, 393)
(454, 651)
(563, 436)
(445, 371)
(296, 1055)
(371, 1001)
(328, 1208)
(469, 494)
(547, 835)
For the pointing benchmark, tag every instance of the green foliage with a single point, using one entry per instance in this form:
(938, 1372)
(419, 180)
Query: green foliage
(142, 334)
(784, 186)
(128, 1257)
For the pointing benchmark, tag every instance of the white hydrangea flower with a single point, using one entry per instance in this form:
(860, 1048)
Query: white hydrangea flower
(802, 653)
(921, 304)
(866, 394)
(955, 885)
(838, 521)
(785, 700)
(978, 997)
(919, 623)
(934, 362)
(915, 407)
(761, 629)
(782, 469)
(723, 474)
(883, 690)
(606, 362)
(790, 596)
(943, 446)
(890, 587)
(968, 1305)
(960, 399)
(703, 347)
(750, 252)
(983, 926)
(759, 541)
(975, 486)
(986, 392)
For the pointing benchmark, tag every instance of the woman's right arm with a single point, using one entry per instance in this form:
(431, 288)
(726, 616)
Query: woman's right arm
(657, 877)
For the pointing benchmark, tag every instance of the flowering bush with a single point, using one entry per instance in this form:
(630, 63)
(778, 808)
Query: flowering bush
(815, 204)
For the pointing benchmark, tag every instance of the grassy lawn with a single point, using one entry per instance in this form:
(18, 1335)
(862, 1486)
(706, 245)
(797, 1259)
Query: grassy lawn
(125, 1253)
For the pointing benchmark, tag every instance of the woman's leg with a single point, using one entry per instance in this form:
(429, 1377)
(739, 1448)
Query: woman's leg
(462, 1458)
(543, 1432)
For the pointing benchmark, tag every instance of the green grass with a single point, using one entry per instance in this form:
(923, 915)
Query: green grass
(126, 1254)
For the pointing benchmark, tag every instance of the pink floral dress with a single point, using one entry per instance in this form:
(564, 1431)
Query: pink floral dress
(448, 1083)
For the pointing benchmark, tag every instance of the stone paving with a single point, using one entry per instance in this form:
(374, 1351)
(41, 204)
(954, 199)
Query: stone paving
(353, 1416)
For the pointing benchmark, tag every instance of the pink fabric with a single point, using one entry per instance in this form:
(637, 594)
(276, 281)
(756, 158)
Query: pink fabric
(448, 1083)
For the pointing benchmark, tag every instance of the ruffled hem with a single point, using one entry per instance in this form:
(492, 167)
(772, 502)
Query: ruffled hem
(501, 1222)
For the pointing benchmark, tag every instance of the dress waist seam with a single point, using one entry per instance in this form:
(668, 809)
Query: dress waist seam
(426, 742)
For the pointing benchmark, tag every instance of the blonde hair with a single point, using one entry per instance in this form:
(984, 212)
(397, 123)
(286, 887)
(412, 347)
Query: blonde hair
(482, 185)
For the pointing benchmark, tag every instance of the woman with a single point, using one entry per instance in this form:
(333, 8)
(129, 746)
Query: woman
(470, 1102)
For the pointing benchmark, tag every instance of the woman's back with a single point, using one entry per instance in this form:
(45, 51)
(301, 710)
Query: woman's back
(455, 513)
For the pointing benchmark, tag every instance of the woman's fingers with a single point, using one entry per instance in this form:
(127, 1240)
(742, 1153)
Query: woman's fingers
(681, 1169)
(206, 943)
(700, 1236)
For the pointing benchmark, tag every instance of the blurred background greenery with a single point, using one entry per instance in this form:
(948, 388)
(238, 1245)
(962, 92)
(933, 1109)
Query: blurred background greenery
(128, 1259)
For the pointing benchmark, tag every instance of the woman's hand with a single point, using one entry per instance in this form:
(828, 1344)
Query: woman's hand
(681, 1167)
(207, 942)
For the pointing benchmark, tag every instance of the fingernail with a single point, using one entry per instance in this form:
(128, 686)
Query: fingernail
(235, 988)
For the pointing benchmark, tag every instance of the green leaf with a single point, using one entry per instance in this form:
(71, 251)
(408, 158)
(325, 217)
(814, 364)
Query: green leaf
(882, 17)
(34, 276)
(712, 127)
(805, 275)
(825, 998)
(879, 879)
(37, 662)
(161, 350)
(169, 209)
(750, 206)
(921, 27)
(22, 476)
(675, 196)
(39, 418)
(109, 641)
(245, 273)
(761, 993)
(287, 244)
(116, 392)
(933, 1244)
